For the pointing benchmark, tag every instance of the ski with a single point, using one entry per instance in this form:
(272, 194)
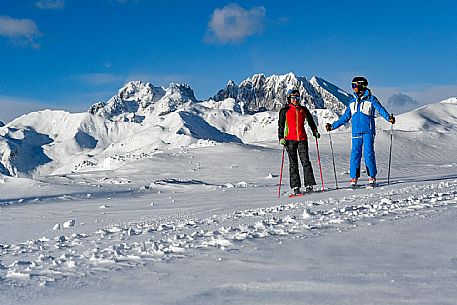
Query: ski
(330, 189)
(360, 187)
(295, 195)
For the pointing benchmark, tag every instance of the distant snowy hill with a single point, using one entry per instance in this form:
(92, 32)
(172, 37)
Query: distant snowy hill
(439, 117)
(268, 93)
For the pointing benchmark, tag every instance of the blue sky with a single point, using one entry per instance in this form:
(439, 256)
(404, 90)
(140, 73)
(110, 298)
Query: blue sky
(68, 54)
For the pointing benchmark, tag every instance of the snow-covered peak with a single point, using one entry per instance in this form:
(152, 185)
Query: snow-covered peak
(144, 93)
(136, 100)
(231, 83)
(260, 92)
(180, 92)
(334, 98)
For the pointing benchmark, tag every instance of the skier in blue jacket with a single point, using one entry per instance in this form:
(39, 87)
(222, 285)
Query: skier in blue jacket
(362, 109)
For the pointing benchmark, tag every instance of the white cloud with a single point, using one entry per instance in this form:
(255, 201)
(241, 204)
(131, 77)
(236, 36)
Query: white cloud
(50, 4)
(233, 23)
(20, 31)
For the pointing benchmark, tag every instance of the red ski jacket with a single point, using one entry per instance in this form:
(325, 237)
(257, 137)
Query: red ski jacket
(291, 124)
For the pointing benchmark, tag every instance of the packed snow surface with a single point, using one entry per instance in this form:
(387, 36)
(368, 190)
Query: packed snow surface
(183, 208)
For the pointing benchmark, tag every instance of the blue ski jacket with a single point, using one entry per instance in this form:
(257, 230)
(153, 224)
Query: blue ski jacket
(362, 110)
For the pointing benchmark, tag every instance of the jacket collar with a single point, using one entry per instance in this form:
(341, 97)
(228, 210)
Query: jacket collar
(292, 105)
(365, 95)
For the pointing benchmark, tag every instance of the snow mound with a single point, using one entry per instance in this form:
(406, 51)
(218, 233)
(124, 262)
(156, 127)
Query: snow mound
(439, 117)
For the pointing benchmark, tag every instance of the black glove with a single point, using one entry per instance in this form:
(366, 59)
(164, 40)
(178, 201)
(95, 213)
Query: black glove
(328, 126)
(316, 134)
(392, 119)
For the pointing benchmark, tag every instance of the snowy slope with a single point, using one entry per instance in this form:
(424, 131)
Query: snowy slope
(191, 224)
(439, 117)
(57, 138)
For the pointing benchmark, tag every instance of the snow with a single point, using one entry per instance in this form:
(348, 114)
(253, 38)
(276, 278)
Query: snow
(182, 208)
(439, 117)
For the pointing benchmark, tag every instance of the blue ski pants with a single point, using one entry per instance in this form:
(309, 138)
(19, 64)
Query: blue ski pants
(365, 140)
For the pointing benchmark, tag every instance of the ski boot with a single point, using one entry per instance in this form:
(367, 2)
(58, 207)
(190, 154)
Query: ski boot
(296, 193)
(353, 183)
(371, 182)
(308, 189)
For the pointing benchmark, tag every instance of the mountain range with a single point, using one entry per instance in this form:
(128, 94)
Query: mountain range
(142, 119)
(269, 93)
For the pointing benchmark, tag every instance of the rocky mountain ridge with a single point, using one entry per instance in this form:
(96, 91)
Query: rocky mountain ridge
(259, 93)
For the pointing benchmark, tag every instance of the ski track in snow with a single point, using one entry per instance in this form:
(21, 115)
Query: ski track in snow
(46, 260)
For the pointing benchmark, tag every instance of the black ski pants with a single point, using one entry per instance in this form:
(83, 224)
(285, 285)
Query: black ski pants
(295, 149)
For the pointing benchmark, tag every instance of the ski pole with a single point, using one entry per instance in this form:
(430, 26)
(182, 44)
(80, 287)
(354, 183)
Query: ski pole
(319, 162)
(390, 152)
(280, 172)
(333, 159)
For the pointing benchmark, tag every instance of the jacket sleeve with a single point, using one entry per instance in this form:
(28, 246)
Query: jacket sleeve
(281, 122)
(343, 119)
(310, 119)
(382, 111)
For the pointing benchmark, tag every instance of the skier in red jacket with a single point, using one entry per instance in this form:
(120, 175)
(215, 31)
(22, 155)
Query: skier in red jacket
(292, 134)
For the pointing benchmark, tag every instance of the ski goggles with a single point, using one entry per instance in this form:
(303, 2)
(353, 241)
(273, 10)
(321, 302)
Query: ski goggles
(357, 85)
(295, 97)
